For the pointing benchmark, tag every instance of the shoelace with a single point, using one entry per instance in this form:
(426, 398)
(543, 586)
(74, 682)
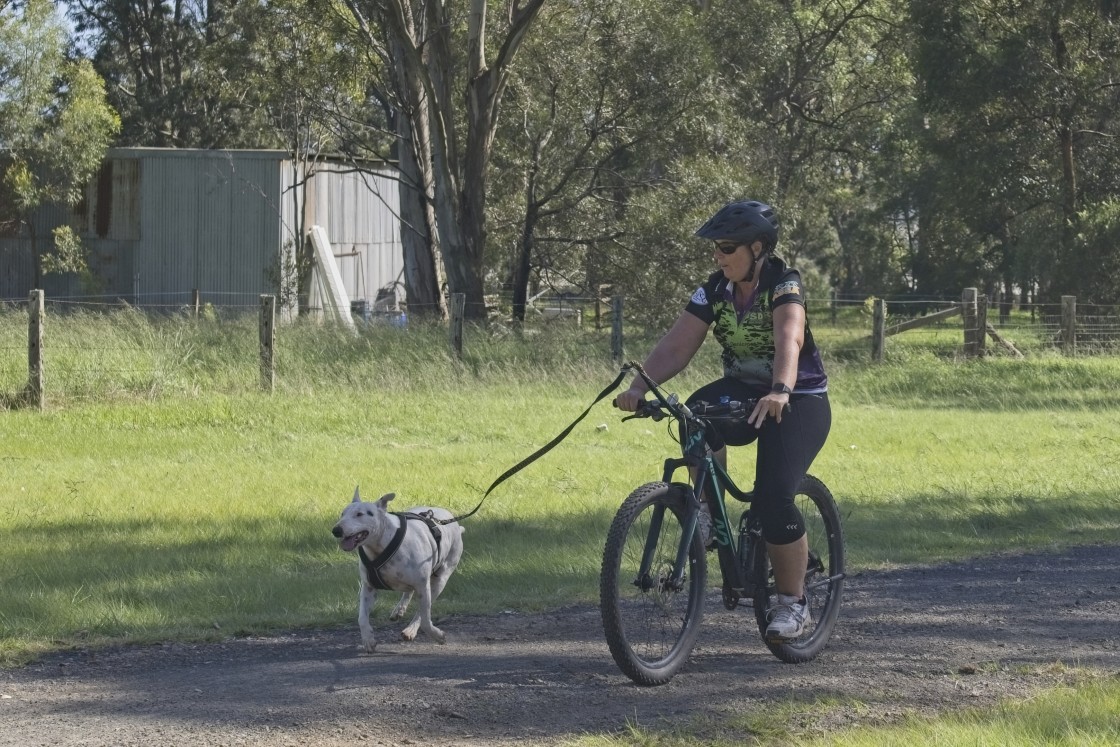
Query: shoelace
(782, 612)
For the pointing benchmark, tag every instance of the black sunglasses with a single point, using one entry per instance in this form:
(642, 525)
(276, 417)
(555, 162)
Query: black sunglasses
(728, 248)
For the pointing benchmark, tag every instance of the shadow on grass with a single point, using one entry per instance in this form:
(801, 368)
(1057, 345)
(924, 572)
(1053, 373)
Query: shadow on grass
(125, 581)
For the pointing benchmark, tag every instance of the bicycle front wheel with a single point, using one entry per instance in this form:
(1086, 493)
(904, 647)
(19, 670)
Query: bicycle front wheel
(651, 610)
(824, 578)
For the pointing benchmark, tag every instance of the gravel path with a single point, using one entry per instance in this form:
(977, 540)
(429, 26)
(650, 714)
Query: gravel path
(922, 639)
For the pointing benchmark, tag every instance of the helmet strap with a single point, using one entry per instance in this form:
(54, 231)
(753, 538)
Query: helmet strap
(754, 263)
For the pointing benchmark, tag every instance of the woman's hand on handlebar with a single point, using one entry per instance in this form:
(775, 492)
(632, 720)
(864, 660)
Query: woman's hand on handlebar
(773, 404)
(630, 400)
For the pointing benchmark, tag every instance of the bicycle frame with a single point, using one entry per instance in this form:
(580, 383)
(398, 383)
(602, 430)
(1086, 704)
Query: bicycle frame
(709, 473)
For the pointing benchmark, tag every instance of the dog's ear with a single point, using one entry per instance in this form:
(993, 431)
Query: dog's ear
(384, 500)
(357, 496)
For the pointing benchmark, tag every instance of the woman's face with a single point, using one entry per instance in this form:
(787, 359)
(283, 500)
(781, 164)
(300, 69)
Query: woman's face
(736, 265)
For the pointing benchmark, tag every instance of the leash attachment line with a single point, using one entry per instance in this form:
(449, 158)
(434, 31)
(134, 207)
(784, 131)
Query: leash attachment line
(547, 447)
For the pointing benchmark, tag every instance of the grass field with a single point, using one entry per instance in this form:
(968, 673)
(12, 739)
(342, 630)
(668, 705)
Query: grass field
(160, 495)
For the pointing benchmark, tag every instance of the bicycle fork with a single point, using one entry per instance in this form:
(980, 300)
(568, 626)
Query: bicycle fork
(675, 581)
(736, 577)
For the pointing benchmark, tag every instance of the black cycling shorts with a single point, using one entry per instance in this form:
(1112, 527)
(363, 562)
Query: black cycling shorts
(785, 452)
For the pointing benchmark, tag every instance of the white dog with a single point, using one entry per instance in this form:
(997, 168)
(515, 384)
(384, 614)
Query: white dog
(407, 552)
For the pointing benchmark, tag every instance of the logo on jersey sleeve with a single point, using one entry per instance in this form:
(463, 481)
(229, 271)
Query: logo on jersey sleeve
(790, 286)
(700, 297)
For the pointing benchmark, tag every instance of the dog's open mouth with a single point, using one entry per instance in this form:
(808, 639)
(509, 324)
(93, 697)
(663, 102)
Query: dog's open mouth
(349, 543)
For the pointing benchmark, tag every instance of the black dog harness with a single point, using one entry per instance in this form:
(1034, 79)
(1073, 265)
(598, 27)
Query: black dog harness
(373, 567)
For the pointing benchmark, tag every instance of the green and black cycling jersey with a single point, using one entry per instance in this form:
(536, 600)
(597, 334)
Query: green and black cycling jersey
(747, 337)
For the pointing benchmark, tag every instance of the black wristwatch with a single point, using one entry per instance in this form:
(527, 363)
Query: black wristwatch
(781, 388)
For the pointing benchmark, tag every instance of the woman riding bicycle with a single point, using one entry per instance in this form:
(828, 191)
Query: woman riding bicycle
(757, 306)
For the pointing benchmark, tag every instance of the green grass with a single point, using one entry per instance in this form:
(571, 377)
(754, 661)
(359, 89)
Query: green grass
(1084, 715)
(160, 495)
(1083, 712)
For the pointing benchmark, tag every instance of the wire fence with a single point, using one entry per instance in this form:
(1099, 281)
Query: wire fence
(94, 347)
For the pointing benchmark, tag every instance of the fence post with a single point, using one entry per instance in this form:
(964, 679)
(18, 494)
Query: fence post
(968, 315)
(616, 329)
(878, 329)
(35, 314)
(1069, 325)
(458, 305)
(600, 296)
(981, 324)
(268, 342)
(832, 304)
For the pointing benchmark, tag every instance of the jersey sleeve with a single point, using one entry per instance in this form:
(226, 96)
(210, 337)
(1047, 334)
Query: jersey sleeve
(788, 290)
(700, 305)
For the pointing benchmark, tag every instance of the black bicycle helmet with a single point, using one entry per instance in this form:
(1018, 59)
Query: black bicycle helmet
(745, 221)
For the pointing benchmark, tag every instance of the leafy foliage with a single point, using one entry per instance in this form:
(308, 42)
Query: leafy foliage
(54, 120)
(910, 147)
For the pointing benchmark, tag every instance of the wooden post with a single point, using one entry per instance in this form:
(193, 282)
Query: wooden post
(981, 324)
(832, 304)
(1069, 325)
(458, 305)
(968, 314)
(600, 297)
(616, 329)
(35, 315)
(878, 329)
(268, 342)
(196, 302)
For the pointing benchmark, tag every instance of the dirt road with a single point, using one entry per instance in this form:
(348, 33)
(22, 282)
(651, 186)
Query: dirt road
(924, 639)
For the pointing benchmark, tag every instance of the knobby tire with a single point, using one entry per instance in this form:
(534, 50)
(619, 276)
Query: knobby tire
(651, 628)
(826, 542)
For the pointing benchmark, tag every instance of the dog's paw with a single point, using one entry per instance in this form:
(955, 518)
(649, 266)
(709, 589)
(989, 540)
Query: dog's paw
(369, 646)
(408, 634)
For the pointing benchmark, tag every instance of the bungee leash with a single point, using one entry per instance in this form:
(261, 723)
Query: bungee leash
(547, 447)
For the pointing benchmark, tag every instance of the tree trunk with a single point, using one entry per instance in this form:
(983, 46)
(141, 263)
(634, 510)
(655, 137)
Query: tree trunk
(426, 68)
(522, 268)
(423, 276)
(419, 237)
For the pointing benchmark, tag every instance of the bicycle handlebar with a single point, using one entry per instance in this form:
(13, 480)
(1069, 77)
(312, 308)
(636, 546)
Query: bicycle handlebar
(659, 408)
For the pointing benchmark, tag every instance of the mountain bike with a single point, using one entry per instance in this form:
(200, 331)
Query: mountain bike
(653, 580)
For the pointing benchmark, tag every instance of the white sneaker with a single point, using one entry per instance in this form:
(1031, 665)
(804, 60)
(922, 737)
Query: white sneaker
(787, 617)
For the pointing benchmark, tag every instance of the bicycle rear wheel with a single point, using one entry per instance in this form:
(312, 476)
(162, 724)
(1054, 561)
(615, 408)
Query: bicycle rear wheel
(651, 622)
(824, 578)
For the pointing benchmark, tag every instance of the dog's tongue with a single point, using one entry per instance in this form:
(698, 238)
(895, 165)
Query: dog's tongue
(353, 541)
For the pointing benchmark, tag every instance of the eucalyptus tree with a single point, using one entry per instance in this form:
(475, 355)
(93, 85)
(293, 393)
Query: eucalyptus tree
(448, 63)
(55, 126)
(816, 92)
(1020, 100)
(169, 69)
(599, 106)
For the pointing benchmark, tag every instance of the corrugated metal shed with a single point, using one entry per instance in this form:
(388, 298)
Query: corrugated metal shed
(160, 223)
